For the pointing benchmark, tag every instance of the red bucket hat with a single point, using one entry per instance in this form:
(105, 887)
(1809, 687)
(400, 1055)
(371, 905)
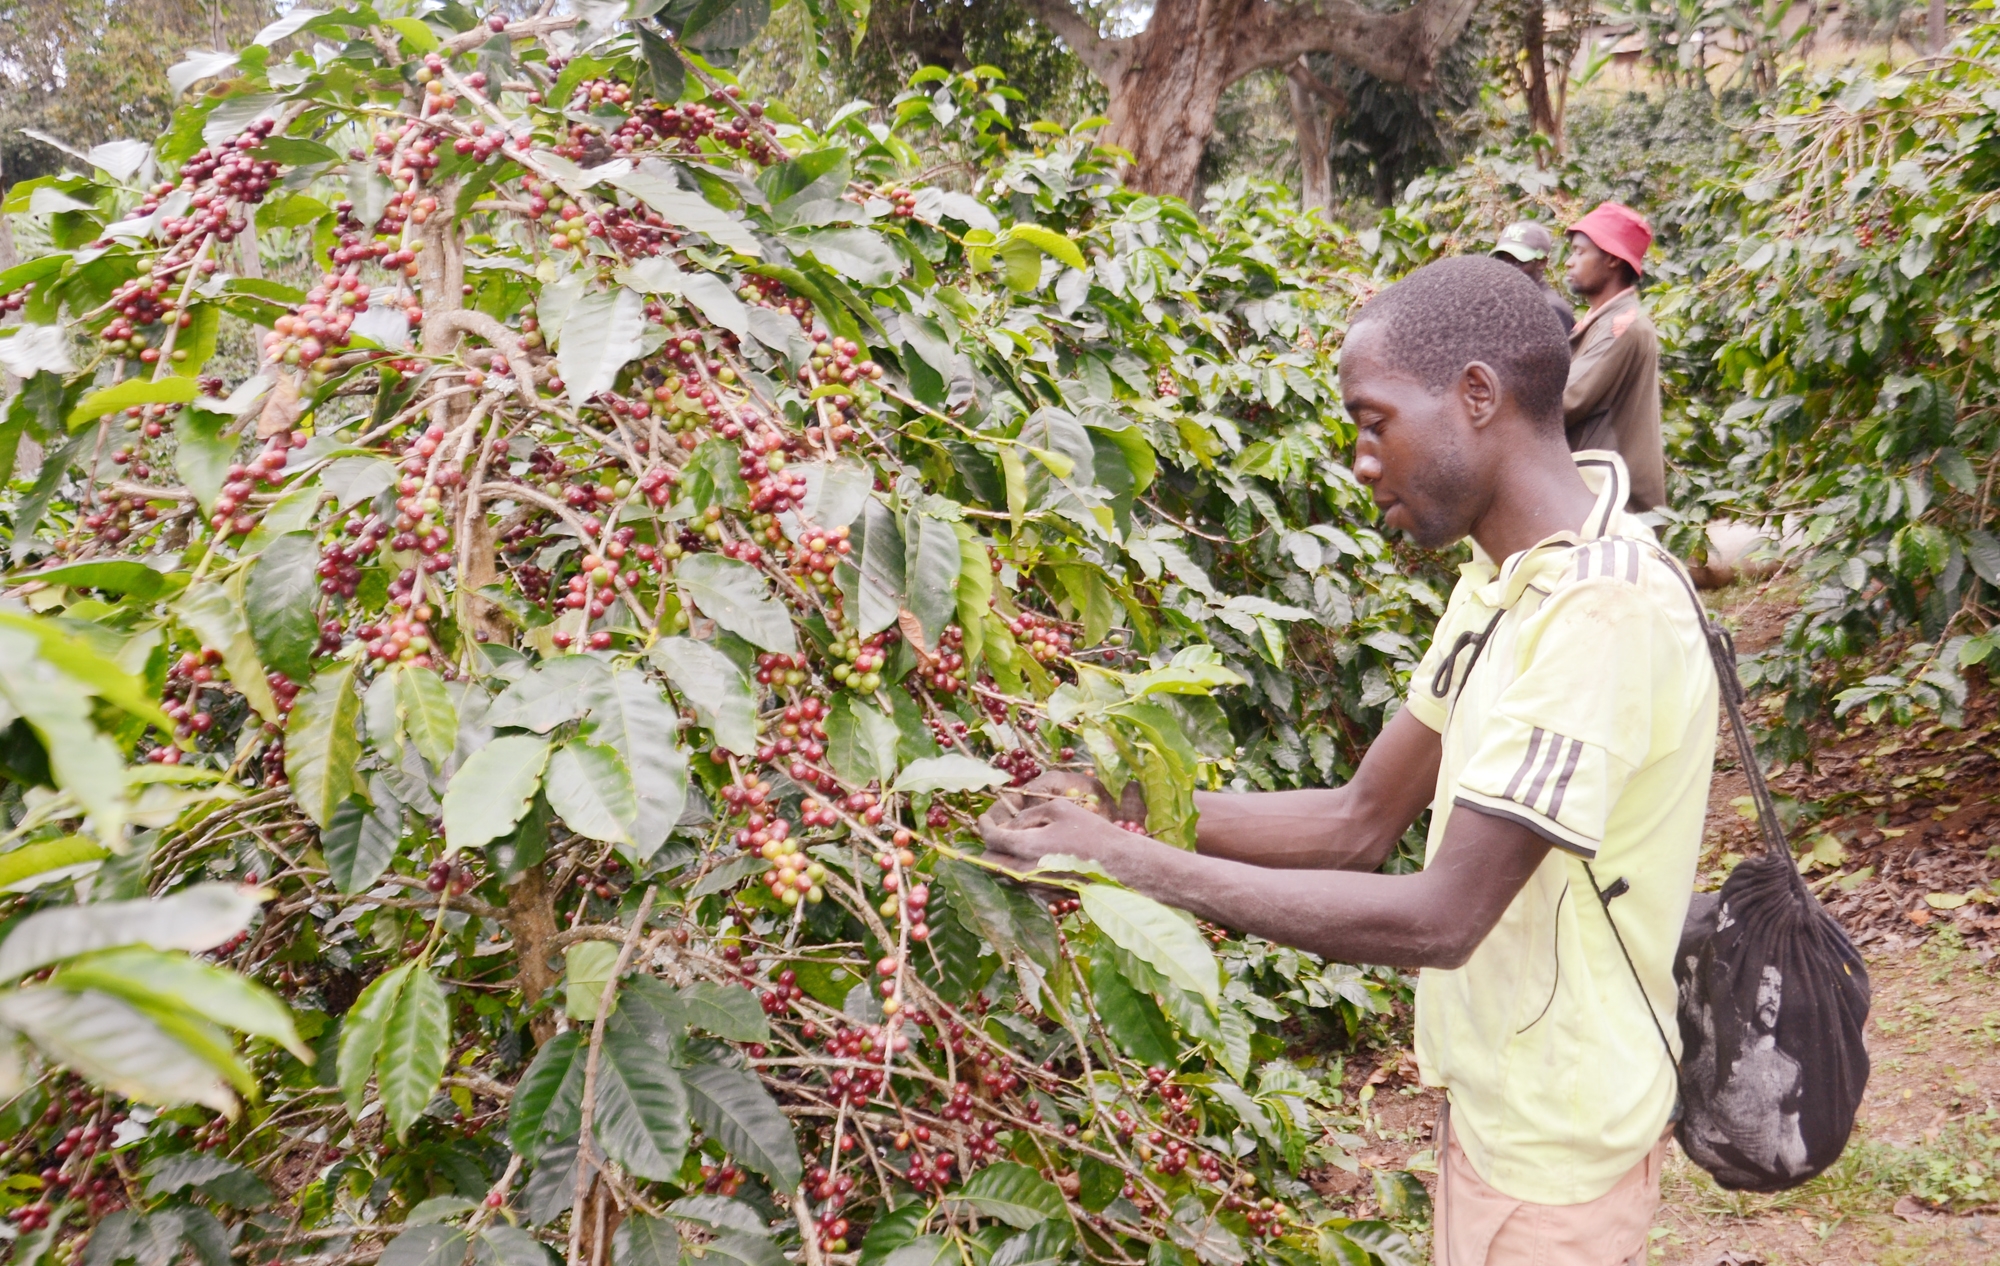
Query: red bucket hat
(1618, 231)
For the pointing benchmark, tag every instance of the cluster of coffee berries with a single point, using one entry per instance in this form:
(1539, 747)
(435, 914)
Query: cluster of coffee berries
(321, 324)
(1164, 385)
(1019, 764)
(908, 896)
(769, 292)
(15, 300)
(340, 563)
(784, 991)
(801, 742)
(792, 878)
(775, 669)
(230, 514)
(608, 882)
(234, 176)
(113, 523)
(404, 637)
(818, 552)
(945, 672)
(1040, 635)
(721, 1180)
(902, 201)
(447, 875)
(861, 659)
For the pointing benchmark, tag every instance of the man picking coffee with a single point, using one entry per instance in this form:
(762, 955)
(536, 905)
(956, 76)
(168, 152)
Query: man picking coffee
(1561, 729)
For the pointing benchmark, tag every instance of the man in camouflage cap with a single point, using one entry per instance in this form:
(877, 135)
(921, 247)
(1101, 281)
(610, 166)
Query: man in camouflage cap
(1526, 245)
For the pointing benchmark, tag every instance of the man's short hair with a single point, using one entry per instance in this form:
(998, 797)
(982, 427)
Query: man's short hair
(1448, 314)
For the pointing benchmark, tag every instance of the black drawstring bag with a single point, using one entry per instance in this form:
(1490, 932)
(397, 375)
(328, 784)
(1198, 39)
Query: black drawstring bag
(1773, 997)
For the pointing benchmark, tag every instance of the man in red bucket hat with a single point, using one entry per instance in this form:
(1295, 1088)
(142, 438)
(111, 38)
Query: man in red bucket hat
(1613, 398)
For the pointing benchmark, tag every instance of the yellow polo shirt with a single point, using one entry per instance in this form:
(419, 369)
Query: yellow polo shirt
(1589, 718)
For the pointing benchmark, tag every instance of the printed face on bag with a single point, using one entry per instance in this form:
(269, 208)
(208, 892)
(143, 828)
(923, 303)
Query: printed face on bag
(1770, 996)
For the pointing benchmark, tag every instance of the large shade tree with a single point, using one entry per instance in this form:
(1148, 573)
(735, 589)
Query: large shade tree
(1165, 80)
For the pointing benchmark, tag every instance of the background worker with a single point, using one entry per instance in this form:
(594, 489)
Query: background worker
(1613, 397)
(1562, 726)
(1526, 245)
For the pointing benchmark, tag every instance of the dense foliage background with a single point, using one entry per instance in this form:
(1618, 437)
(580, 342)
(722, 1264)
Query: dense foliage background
(526, 558)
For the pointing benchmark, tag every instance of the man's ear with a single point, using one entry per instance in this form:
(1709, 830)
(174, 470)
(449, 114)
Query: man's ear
(1479, 391)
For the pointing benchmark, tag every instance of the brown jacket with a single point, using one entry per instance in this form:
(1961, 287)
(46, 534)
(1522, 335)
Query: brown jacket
(1613, 397)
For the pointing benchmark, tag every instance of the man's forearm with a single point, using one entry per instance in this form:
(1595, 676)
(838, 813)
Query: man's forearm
(1393, 920)
(1292, 830)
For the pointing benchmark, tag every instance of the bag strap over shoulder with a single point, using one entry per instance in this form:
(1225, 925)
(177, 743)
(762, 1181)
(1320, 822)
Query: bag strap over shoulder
(1722, 649)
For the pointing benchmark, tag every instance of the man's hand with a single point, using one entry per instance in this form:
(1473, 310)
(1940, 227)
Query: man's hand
(1083, 791)
(1021, 834)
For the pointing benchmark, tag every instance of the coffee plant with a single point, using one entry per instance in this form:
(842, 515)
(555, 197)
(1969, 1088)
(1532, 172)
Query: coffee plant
(532, 564)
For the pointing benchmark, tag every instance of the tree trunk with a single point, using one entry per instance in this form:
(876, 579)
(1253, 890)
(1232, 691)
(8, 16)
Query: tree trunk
(1939, 31)
(1163, 102)
(1166, 81)
(1309, 94)
(1534, 47)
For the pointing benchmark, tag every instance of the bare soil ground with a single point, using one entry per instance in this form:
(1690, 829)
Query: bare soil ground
(1902, 828)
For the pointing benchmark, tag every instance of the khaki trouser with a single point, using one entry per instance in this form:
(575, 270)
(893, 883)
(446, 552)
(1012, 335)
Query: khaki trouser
(1479, 1226)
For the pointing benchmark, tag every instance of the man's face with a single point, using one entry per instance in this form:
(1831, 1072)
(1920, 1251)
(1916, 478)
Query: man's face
(1590, 270)
(1410, 449)
(1531, 268)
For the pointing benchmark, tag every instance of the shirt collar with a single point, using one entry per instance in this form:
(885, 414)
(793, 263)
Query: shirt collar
(1603, 473)
(1629, 294)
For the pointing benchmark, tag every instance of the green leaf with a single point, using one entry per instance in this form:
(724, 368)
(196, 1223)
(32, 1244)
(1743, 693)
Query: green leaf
(93, 672)
(644, 1241)
(361, 840)
(1131, 1018)
(1049, 242)
(953, 771)
(21, 866)
(880, 578)
(604, 330)
(431, 1243)
(1021, 262)
(710, 682)
(321, 745)
(736, 1249)
(214, 613)
(195, 919)
(202, 454)
(115, 1045)
(724, 25)
(586, 969)
(860, 740)
(280, 598)
(731, 1014)
(428, 717)
(560, 690)
(735, 596)
(642, 1110)
(634, 716)
(539, 1092)
(736, 1110)
(150, 979)
(130, 392)
(491, 791)
(211, 1175)
(58, 708)
(590, 789)
(1011, 1192)
(361, 1034)
(111, 575)
(500, 1244)
(1163, 938)
(933, 576)
(669, 79)
(1007, 917)
(416, 1037)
